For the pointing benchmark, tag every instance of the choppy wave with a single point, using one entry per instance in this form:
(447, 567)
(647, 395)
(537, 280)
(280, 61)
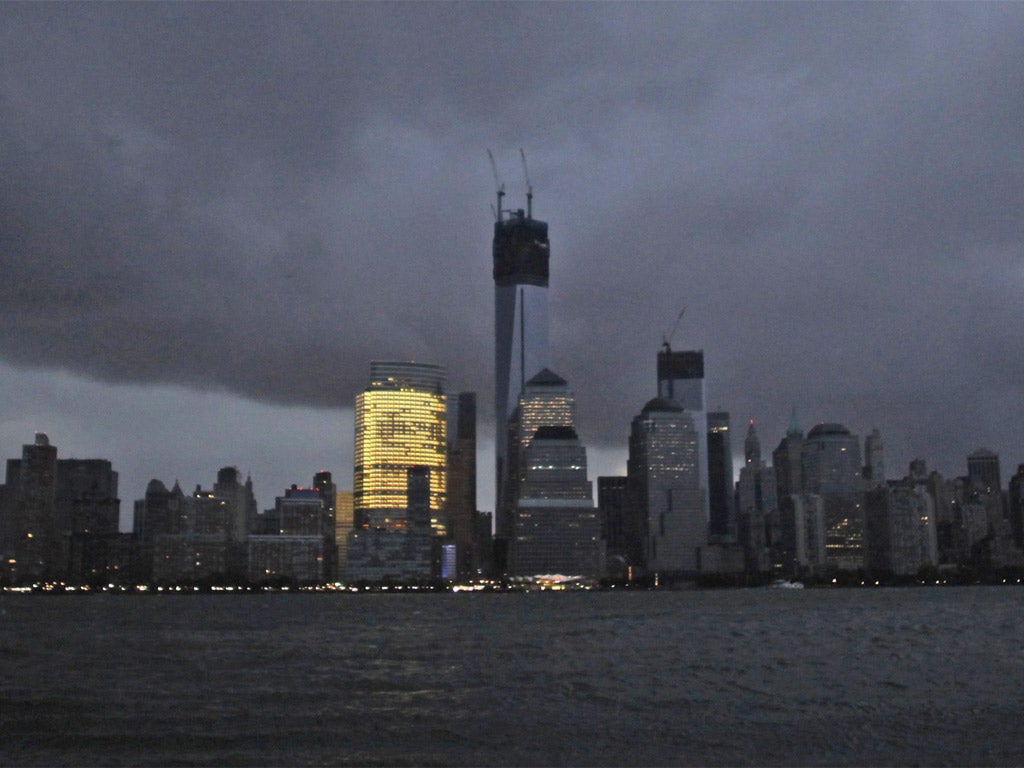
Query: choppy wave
(744, 677)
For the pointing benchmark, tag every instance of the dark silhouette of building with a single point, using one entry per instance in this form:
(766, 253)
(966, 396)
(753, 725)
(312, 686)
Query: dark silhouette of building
(462, 482)
(58, 517)
(831, 467)
(721, 507)
(613, 510)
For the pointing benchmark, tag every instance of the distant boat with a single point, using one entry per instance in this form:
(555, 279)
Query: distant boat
(785, 584)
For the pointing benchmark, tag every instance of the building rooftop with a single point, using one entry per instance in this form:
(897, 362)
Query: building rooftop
(547, 378)
(661, 405)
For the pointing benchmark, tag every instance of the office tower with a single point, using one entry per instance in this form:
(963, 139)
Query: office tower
(899, 531)
(87, 516)
(30, 538)
(786, 461)
(612, 506)
(681, 379)
(831, 466)
(874, 457)
(462, 482)
(520, 253)
(555, 528)
(344, 517)
(757, 506)
(983, 471)
(801, 516)
(161, 512)
(297, 550)
(722, 515)
(752, 447)
(401, 422)
(545, 401)
(665, 484)
(1016, 504)
(240, 503)
(801, 535)
(405, 552)
(323, 483)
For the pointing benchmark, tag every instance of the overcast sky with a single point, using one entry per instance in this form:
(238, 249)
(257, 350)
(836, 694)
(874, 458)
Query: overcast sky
(213, 216)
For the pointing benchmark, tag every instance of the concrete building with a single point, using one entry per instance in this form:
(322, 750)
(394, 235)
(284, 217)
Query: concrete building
(900, 533)
(58, 517)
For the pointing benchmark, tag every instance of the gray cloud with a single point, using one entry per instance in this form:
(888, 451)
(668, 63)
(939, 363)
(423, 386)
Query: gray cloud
(260, 198)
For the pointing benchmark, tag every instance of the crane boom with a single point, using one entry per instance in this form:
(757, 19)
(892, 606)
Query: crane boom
(666, 340)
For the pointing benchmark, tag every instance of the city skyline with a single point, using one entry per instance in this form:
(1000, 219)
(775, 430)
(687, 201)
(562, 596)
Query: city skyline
(214, 218)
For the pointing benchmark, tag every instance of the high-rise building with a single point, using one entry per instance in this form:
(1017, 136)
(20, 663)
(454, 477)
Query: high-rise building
(545, 401)
(983, 470)
(555, 529)
(721, 509)
(669, 517)
(30, 538)
(1016, 505)
(401, 422)
(58, 517)
(612, 505)
(831, 466)
(520, 253)
(323, 483)
(462, 482)
(681, 379)
(757, 506)
(344, 518)
(899, 533)
(786, 461)
(874, 457)
(240, 501)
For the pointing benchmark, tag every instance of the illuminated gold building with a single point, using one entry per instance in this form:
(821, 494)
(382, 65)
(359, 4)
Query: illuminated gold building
(401, 422)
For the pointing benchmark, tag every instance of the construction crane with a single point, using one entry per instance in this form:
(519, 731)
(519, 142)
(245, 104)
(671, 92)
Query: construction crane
(529, 186)
(666, 339)
(497, 183)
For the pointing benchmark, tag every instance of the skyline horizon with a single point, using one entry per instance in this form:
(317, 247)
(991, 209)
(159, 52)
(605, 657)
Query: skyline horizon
(612, 458)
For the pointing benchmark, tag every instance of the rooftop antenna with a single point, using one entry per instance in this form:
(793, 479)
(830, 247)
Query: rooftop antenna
(666, 340)
(529, 186)
(497, 183)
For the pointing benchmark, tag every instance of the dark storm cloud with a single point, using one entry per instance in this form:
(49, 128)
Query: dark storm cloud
(261, 198)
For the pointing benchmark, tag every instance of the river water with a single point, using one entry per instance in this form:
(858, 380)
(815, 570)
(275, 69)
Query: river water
(913, 676)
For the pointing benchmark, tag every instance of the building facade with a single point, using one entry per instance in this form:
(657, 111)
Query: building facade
(556, 528)
(669, 511)
(830, 463)
(400, 422)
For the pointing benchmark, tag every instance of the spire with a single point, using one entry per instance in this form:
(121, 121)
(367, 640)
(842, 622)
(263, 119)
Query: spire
(752, 447)
(794, 426)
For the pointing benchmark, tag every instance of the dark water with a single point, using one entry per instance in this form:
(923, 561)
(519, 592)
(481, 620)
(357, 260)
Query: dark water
(751, 677)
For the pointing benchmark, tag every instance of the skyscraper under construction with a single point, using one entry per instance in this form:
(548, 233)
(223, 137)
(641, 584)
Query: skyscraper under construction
(521, 251)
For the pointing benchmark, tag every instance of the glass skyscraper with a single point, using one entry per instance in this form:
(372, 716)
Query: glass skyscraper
(520, 251)
(401, 422)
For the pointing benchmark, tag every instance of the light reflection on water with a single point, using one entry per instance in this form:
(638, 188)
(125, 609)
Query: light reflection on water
(754, 677)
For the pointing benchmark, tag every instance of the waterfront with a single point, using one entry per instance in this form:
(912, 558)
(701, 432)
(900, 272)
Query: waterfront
(733, 677)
